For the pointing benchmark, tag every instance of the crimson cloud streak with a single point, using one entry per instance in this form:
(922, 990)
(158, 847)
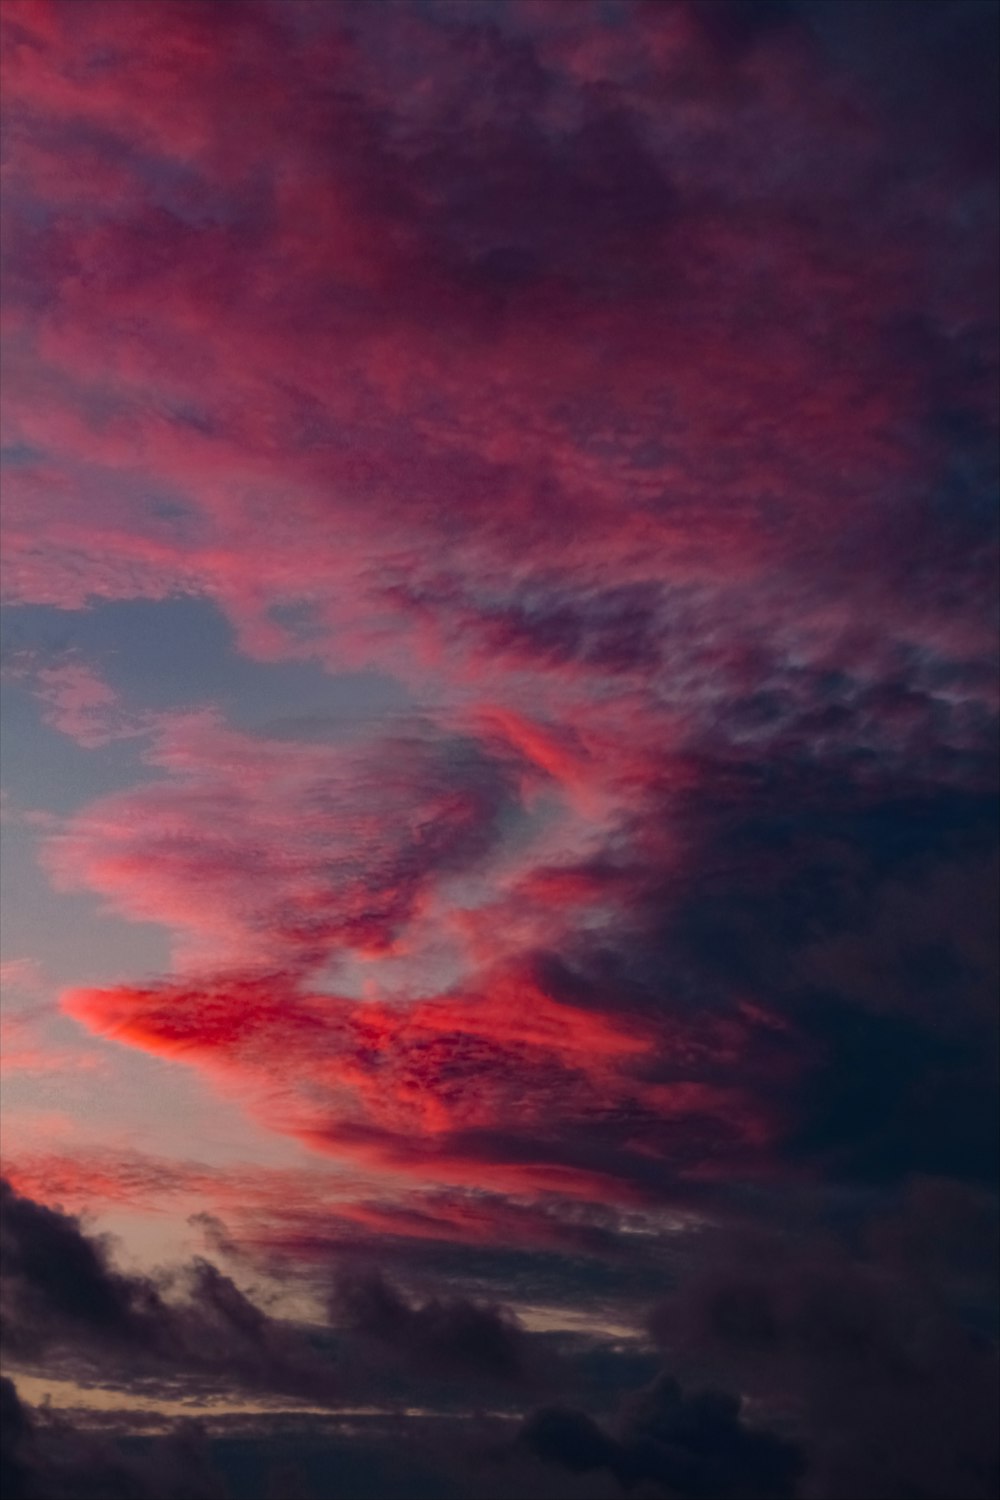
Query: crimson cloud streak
(619, 382)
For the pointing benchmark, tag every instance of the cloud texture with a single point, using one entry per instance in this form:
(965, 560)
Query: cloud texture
(621, 381)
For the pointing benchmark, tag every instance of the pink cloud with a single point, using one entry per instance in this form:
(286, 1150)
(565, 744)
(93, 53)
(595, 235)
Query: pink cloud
(76, 700)
(411, 410)
(24, 1050)
(21, 975)
(271, 851)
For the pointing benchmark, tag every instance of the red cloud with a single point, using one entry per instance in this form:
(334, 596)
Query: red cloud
(509, 1083)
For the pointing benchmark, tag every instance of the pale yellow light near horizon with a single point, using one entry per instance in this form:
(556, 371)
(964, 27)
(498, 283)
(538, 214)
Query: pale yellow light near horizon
(148, 1412)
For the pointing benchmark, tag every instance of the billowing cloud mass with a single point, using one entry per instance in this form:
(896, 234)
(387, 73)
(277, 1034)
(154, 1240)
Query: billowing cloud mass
(64, 1302)
(694, 1445)
(51, 1457)
(617, 382)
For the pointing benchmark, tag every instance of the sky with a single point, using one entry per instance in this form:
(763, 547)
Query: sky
(500, 841)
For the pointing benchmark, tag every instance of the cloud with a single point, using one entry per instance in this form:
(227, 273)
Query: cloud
(69, 1311)
(621, 380)
(840, 1357)
(65, 1305)
(314, 849)
(694, 1445)
(73, 1456)
(24, 1049)
(15, 1429)
(75, 699)
(882, 1357)
(476, 330)
(292, 1222)
(453, 1336)
(44, 1455)
(705, 1005)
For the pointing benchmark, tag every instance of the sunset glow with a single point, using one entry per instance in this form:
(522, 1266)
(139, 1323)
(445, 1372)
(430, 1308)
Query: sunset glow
(500, 759)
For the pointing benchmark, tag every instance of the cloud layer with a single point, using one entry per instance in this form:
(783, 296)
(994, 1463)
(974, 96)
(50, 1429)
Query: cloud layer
(620, 380)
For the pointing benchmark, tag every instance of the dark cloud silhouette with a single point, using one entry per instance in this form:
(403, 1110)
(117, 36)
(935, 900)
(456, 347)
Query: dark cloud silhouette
(15, 1433)
(692, 1445)
(60, 1277)
(450, 1336)
(883, 1359)
(43, 1456)
(65, 1304)
(847, 1351)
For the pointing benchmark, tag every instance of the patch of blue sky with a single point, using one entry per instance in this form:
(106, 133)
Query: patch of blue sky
(180, 653)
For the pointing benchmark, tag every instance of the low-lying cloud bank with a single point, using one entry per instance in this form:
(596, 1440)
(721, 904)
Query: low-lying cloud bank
(838, 1358)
